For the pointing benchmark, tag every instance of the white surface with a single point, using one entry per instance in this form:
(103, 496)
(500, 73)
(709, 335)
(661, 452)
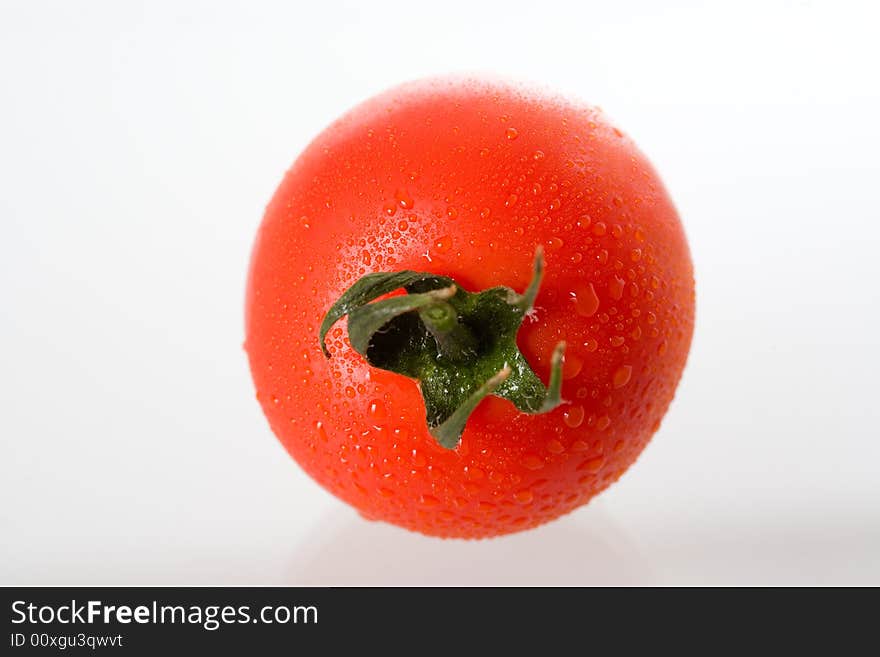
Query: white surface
(139, 144)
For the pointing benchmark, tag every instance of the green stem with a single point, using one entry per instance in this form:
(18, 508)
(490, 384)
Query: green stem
(454, 340)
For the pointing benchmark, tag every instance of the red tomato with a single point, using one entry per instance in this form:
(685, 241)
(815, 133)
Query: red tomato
(464, 179)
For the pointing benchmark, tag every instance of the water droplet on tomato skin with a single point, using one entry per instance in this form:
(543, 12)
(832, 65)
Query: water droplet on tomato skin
(615, 288)
(555, 447)
(586, 301)
(511, 133)
(524, 496)
(573, 416)
(592, 465)
(429, 501)
(403, 199)
(571, 365)
(443, 244)
(377, 410)
(554, 244)
(621, 376)
(603, 423)
(475, 474)
(532, 462)
(484, 213)
(599, 228)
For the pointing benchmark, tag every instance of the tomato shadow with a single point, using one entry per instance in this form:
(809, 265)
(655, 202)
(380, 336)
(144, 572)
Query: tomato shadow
(586, 548)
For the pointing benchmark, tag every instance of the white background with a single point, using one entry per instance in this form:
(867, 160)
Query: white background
(139, 143)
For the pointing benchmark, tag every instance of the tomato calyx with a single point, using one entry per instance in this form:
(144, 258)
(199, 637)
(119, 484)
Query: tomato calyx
(460, 346)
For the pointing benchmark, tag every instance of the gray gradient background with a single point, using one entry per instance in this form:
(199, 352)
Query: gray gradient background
(139, 143)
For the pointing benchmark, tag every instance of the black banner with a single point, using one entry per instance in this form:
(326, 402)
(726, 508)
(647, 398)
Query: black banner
(403, 620)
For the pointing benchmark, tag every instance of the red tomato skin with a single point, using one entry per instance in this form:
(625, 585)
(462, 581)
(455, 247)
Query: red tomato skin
(465, 178)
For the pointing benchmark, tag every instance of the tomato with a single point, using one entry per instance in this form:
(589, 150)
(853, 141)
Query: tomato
(461, 182)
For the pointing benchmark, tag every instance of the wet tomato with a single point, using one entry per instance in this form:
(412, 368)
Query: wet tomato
(519, 304)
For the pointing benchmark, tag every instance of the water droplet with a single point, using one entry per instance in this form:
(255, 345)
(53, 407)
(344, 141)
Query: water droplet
(651, 318)
(580, 446)
(451, 212)
(591, 344)
(592, 465)
(386, 492)
(555, 204)
(524, 496)
(322, 432)
(511, 133)
(418, 459)
(429, 500)
(390, 209)
(571, 366)
(511, 200)
(635, 255)
(602, 257)
(639, 235)
(636, 333)
(532, 462)
(599, 228)
(404, 199)
(662, 347)
(615, 288)
(603, 423)
(475, 473)
(573, 416)
(586, 301)
(484, 213)
(443, 243)
(554, 244)
(304, 222)
(555, 447)
(622, 376)
(616, 231)
(539, 155)
(377, 410)
(616, 340)
(485, 507)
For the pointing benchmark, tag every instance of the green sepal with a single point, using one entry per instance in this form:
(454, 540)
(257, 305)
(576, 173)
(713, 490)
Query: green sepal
(460, 346)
